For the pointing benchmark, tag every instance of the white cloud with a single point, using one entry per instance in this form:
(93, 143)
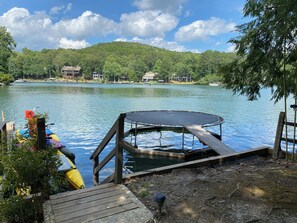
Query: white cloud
(58, 9)
(37, 31)
(28, 30)
(169, 6)
(202, 29)
(88, 23)
(147, 23)
(68, 7)
(72, 44)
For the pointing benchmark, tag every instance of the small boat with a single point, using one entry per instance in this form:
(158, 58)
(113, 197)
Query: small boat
(214, 84)
(20, 81)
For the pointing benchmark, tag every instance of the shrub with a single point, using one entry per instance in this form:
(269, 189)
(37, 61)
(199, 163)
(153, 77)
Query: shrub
(6, 79)
(27, 172)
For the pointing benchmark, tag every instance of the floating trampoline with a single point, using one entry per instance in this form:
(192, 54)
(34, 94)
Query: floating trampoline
(173, 118)
(177, 121)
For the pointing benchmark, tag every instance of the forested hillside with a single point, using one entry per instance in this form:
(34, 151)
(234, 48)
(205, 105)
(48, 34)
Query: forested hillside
(120, 60)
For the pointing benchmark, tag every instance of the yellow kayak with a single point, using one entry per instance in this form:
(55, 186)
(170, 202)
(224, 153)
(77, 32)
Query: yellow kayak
(72, 174)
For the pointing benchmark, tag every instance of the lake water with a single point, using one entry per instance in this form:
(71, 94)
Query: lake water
(83, 113)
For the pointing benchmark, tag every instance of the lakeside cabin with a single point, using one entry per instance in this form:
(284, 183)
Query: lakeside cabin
(97, 76)
(71, 71)
(149, 76)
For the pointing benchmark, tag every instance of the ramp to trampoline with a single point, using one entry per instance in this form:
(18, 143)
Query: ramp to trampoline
(208, 139)
(192, 121)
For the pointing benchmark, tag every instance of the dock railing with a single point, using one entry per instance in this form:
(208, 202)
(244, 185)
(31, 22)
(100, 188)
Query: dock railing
(279, 138)
(117, 152)
(6, 134)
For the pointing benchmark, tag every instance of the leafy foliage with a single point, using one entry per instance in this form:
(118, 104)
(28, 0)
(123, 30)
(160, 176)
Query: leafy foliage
(266, 50)
(118, 61)
(30, 177)
(6, 79)
(7, 45)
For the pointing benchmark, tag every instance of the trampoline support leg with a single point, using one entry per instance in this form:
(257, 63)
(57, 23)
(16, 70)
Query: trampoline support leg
(221, 137)
(135, 133)
(183, 138)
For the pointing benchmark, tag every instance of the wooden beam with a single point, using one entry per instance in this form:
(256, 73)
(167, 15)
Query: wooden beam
(95, 174)
(105, 161)
(41, 136)
(278, 135)
(105, 140)
(119, 150)
(261, 151)
(151, 153)
(210, 140)
(109, 179)
(289, 140)
(9, 134)
(290, 123)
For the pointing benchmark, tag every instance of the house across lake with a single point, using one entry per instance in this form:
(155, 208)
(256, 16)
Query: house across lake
(71, 71)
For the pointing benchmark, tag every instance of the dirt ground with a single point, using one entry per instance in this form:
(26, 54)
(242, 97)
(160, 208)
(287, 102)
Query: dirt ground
(251, 190)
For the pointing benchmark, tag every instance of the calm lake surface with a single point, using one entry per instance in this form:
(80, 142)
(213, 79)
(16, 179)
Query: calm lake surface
(83, 113)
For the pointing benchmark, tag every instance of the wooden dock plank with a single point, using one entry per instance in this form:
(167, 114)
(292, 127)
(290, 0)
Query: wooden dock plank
(97, 192)
(208, 139)
(97, 211)
(87, 199)
(86, 190)
(103, 203)
(101, 214)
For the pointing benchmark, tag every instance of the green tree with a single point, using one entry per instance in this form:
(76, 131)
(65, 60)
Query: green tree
(163, 69)
(111, 69)
(6, 79)
(15, 65)
(34, 65)
(138, 68)
(266, 50)
(7, 45)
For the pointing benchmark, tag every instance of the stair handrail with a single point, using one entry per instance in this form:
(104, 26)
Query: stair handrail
(118, 130)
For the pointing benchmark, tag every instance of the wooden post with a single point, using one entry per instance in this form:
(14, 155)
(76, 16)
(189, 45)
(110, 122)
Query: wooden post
(2, 131)
(278, 135)
(95, 175)
(119, 150)
(41, 137)
(9, 134)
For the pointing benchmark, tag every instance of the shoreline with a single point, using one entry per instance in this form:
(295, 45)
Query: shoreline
(99, 82)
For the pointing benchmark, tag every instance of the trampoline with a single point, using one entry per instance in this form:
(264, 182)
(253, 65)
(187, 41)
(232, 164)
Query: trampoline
(172, 120)
(169, 118)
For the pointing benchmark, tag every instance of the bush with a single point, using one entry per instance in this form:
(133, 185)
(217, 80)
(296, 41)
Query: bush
(28, 172)
(6, 79)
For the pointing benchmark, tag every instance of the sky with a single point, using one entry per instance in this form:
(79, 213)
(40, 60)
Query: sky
(178, 25)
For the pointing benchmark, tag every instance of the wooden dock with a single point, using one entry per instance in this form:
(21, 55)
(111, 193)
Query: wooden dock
(103, 203)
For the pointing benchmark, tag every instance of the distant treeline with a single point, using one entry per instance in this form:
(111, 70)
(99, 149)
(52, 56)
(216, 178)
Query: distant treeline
(120, 60)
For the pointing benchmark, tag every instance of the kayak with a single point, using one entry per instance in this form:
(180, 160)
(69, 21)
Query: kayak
(67, 158)
(72, 174)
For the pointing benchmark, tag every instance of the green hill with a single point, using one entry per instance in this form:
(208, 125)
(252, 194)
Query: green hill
(119, 60)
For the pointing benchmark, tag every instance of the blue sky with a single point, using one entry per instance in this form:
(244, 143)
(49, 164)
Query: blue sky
(180, 25)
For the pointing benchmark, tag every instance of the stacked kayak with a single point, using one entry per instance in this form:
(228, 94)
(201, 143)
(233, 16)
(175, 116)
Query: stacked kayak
(67, 158)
